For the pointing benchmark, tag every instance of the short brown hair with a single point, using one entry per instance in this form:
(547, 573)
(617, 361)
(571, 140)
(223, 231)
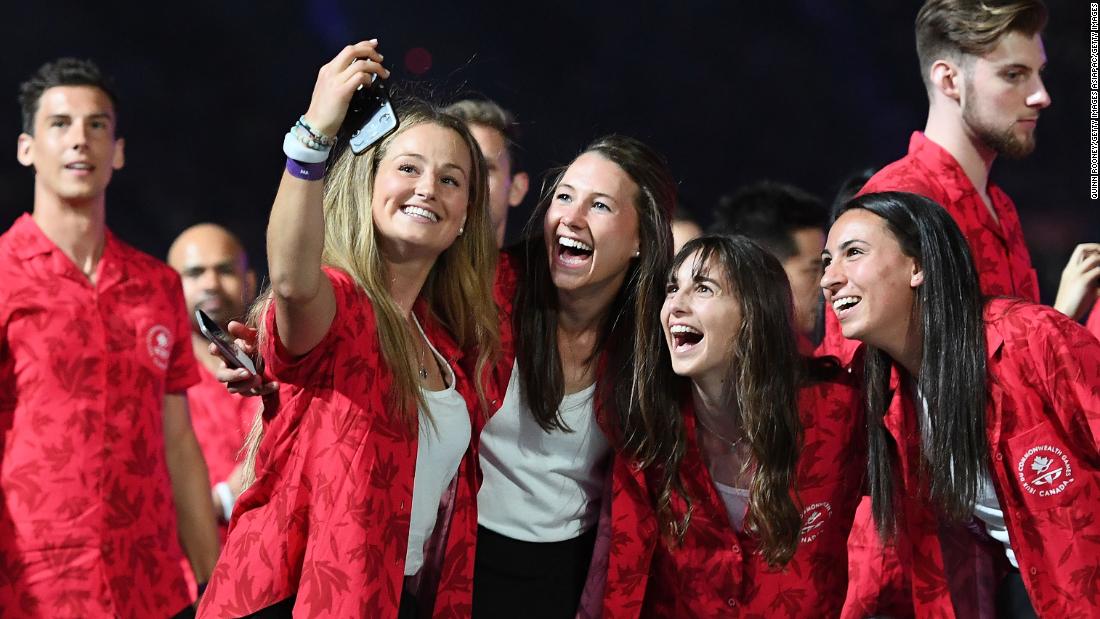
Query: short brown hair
(951, 28)
(62, 72)
(489, 114)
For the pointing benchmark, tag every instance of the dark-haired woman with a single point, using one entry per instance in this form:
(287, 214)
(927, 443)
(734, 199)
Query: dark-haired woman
(983, 418)
(771, 460)
(576, 395)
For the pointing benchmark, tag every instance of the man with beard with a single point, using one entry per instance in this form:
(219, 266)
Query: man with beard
(217, 280)
(981, 63)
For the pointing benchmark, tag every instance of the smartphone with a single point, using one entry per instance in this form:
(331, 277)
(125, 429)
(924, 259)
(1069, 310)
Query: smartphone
(371, 116)
(234, 357)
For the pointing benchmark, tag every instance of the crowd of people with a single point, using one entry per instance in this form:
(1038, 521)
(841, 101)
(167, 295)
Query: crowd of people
(807, 411)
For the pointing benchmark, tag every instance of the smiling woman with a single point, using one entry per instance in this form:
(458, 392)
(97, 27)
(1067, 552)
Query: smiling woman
(978, 411)
(364, 477)
(770, 458)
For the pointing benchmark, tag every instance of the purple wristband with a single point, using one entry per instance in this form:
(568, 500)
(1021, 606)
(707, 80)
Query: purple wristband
(305, 171)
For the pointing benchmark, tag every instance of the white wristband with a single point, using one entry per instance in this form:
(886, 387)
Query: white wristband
(225, 495)
(300, 152)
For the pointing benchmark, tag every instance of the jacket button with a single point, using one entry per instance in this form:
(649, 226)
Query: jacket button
(999, 457)
(1033, 571)
(737, 549)
(494, 402)
(732, 602)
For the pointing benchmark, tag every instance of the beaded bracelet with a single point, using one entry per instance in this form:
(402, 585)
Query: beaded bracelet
(320, 138)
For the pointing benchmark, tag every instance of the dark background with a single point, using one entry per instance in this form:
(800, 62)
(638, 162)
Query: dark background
(803, 91)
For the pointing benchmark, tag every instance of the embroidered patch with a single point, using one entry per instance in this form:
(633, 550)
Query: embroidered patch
(159, 343)
(813, 518)
(1044, 470)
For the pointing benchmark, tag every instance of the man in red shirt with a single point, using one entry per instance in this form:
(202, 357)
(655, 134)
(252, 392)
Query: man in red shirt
(93, 365)
(217, 280)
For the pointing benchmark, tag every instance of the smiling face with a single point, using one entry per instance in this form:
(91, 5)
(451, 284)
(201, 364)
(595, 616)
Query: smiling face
(591, 226)
(701, 318)
(1004, 94)
(73, 149)
(869, 281)
(421, 191)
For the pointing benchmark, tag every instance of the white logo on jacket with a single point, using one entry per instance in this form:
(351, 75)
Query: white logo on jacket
(159, 342)
(813, 519)
(1044, 470)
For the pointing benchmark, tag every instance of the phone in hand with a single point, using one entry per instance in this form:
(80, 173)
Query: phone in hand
(371, 115)
(234, 357)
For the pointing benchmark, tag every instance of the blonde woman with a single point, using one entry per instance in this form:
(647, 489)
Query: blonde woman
(380, 283)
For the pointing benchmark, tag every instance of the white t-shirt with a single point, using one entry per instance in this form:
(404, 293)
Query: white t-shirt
(442, 442)
(736, 501)
(542, 486)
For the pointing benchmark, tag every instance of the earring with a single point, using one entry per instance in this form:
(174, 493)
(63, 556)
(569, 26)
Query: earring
(460, 231)
(637, 252)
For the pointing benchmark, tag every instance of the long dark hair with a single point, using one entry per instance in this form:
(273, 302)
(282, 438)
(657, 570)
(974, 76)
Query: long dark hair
(952, 378)
(767, 371)
(633, 386)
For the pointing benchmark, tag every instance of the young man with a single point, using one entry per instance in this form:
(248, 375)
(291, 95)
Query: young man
(790, 224)
(216, 280)
(94, 363)
(496, 131)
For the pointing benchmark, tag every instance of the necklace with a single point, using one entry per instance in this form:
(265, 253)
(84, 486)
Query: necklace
(423, 371)
(733, 444)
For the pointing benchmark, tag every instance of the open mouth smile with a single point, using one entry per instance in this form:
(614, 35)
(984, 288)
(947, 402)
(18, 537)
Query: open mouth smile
(573, 252)
(842, 305)
(684, 338)
(420, 213)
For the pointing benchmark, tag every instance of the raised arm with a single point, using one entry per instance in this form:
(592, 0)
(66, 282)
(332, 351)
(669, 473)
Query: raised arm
(304, 301)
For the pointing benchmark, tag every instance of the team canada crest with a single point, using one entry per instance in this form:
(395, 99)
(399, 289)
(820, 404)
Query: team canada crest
(159, 343)
(813, 520)
(1044, 470)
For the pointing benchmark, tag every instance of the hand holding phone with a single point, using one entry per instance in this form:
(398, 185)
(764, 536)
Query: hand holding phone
(234, 357)
(370, 116)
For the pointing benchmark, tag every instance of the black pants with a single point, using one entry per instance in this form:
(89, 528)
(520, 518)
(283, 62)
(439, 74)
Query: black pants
(529, 579)
(1012, 599)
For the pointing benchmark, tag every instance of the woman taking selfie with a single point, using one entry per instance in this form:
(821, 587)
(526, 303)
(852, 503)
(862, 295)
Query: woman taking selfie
(380, 283)
(983, 418)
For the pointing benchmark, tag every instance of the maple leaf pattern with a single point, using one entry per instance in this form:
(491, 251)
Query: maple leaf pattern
(1045, 390)
(716, 571)
(87, 524)
(327, 519)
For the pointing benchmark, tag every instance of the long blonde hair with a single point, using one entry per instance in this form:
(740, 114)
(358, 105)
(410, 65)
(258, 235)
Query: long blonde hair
(458, 290)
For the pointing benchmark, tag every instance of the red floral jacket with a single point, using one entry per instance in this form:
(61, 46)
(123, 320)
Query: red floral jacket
(1043, 424)
(716, 571)
(1004, 269)
(87, 524)
(617, 565)
(327, 519)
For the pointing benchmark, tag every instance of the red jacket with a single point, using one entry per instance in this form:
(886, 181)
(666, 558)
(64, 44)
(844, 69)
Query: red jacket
(1093, 325)
(611, 590)
(1004, 269)
(1043, 424)
(717, 572)
(327, 519)
(87, 524)
(998, 247)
